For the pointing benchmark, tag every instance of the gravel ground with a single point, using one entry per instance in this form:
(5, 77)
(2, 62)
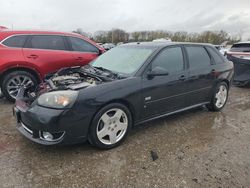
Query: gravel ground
(194, 149)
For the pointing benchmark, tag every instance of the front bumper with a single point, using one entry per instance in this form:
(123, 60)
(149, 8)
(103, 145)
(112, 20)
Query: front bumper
(66, 126)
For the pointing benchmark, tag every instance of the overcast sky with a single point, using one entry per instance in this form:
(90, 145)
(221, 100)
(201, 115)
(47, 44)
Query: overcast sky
(93, 15)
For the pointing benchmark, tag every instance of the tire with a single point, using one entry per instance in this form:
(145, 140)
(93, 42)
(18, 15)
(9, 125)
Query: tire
(1, 94)
(15, 80)
(220, 97)
(113, 119)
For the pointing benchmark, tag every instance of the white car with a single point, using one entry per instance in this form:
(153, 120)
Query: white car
(163, 40)
(221, 49)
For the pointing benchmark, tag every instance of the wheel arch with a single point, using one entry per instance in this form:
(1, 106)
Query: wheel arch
(125, 103)
(120, 101)
(30, 70)
(227, 82)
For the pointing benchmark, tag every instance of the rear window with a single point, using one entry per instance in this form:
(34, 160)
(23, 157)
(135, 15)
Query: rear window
(15, 41)
(49, 42)
(217, 58)
(242, 47)
(198, 57)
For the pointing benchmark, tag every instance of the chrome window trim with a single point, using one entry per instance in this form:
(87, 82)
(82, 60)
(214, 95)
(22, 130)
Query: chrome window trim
(1, 43)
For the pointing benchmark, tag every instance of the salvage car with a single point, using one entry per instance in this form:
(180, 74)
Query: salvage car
(127, 86)
(27, 56)
(239, 54)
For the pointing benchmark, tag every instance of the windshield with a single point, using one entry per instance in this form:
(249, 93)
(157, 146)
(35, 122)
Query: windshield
(125, 60)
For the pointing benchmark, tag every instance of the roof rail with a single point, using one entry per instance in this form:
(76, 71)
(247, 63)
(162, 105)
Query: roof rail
(3, 28)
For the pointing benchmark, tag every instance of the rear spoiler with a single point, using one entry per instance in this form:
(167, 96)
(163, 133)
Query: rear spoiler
(240, 55)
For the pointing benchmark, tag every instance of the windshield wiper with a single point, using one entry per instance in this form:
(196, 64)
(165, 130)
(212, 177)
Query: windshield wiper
(109, 71)
(103, 69)
(116, 74)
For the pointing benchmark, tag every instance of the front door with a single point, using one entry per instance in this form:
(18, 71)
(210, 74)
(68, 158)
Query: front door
(83, 51)
(163, 94)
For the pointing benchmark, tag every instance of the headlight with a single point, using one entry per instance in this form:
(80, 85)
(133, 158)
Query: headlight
(58, 99)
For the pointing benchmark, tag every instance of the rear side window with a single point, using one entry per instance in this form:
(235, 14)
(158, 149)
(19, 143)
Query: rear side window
(81, 45)
(217, 58)
(198, 57)
(170, 59)
(49, 42)
(242, 47)
(15, 41)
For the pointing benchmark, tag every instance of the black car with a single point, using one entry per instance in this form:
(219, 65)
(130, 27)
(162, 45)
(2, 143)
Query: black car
(127, 86)
(239, 54)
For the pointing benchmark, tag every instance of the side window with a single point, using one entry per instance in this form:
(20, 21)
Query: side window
(215, 56)
(198, 57)
(170, 59)
(49, 42)
(81, 45)
(15, 41)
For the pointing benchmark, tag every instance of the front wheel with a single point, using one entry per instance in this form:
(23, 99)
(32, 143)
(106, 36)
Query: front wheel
(220, 97)
(110, 126)
(13, 81)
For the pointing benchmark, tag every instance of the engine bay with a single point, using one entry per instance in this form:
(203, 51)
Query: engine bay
(73, 78)
(72, 81)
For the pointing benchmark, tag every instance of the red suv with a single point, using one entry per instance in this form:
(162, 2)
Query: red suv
(27, 56)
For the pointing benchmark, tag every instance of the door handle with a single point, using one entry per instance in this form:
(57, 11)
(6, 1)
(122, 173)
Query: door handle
(182, 77)
(33, 56)
(79, 58)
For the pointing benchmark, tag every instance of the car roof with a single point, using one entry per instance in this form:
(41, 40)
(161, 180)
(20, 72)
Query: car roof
(6, 32)
(247, 42)
(162, 44)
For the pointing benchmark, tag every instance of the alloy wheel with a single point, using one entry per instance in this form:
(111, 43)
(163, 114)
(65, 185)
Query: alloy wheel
(15, 83)
(221, 96)
(112, 126)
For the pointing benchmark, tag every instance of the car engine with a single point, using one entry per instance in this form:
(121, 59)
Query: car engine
(73, 78)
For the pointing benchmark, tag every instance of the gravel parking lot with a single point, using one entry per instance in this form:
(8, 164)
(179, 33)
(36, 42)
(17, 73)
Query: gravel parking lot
(195, 149)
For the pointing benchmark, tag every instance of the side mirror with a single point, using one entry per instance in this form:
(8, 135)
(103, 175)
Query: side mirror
(157, 71)
(100, 52)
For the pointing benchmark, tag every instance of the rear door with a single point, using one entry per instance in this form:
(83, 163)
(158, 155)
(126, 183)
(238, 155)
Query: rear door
(201, 77)
(48, 52)
(11, 53)
(83, 51)
(163, 94)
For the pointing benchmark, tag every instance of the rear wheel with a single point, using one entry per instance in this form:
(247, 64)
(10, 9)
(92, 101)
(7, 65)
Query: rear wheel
(219, 98)
(13, 81)
(110, 126)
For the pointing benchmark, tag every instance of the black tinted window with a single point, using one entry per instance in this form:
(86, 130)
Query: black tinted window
(217, 58)
(242, 47)
(50, 42)
(198, 57)
(170, 59)
(81, 45)
(15, 41)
